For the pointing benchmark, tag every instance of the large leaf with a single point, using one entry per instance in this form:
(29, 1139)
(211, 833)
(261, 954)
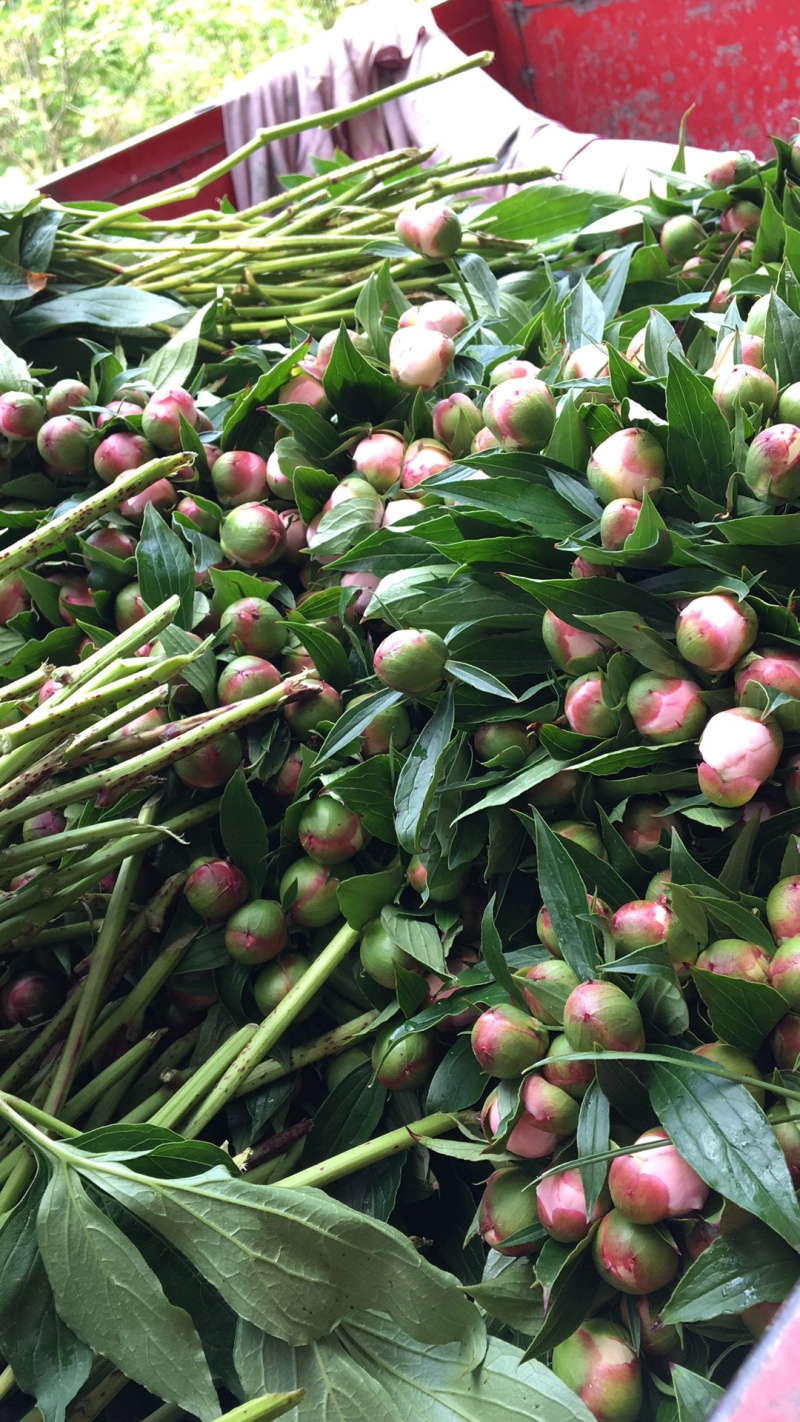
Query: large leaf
(348, 1116)
(173, 363)
(117, 308)
(717, 1127)
(244, 832)
(353, 721)
(564, 896)
(417, 781)
(593, 1126)
(696, 1396)
(740, 1011)
(458, 1081)
(699, 440)
(164, 565)
(751, 1266)
(111, 1299)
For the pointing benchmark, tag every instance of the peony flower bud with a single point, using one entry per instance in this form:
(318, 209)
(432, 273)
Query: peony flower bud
(627, 465)
(784, 1118)
(572, 1077)
(507, 1208)
(443, 316)
(644, 923)
(666, 709)
(785, 1043)
(714, 631)
(738, 753)
(29, 998)
(256, 932)
(585, 708)
(634, 1258)
(161, 495)
(305, 389)
(776, 670)
(399, 511)
(329, 832)
(456, 421)
(431, 230)
(66, 396)
(772, 466)
(308, 892)
(731, 168)
(583, 568)
(789, 404)
(513, 369)
(521, 414)
(783, 909)
(784, 971)
(13, 597)
(553, 972)
(680, 237)
(212, 765)
(314, 708)
(411, 661)
(527, 1140)
(252, 626)
(600, 1365)
(419, 358)
(239, 477)
(741, 216)
(735, 1061)
(380, 955)
(582, 833)
(64, 443)
(388, 728)
(408, 1064)
(277, 979)
(587, 363)
(506, 1041)
(751, 351)
(561, 1203)
(574, 649)
(618, 521)
(252, 536)
(735, 958)
(215, 888)
(550, 1108)
(245, 677)
(378, 458)
(600, 1014)
(654, 1185)
(557, 792)
(21, 415)
(510, 739)
(423, 458)
(745, 388)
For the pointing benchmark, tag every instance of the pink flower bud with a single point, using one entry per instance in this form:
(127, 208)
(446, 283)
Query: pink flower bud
(239, 477)
(212, 765)
(600, 1365)
(655, 1185)
(743, 387)
(784, 971)
(520, 413)
(789, 404)
(714, 631)
(618, 521)
(330, 833)
(276, 482)
(506, 1041)
(635, 349)
(583, 568)
(587, 363)
(666, 709)
(304, 390)
(572, 1077)
(772, 466)
(527, 1139)
(423, 459)
(160, 418)
(775, 670)
(561, 1203)
(735, 957)
(723, 296)
(739, 752)
(443, 316)
(411, 661)
(119, 452)
(553, 973)
(245, 677)
(378, 458)
(117, 410)
(13, 597)
(21, 415)
(742, 216)
(161, 495)
(783, 909)
(215, 888)
(73, 598)
(627, 465)
(783, 1117)
(513, 369)
(66, 396)
(644, 824)
(128, 607)
(750, 346)
(549, 1107)
(557, 792)
(586, 709)
(406, 1065)
(600, 1014)
(456, 421)
(643, 923)
(785, 1042)
(252, 536)
(432, 230)
(419, 358)
(730, 169)
(399, 510)
(634, 1258)
(308, 892)
(63, 443)
(579, 832)
(735, 1061)
(313, 708)
(574, 649)
(30, 997)
(680, 237)
(256, 932)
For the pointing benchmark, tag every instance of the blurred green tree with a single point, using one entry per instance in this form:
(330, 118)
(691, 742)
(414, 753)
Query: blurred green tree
(76, 78)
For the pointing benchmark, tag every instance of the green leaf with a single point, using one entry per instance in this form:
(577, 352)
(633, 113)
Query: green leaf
(244, 419)
(494, 957)
(315, 435)
(695, 1395)
(117, 308)
(110, 1297)
(356, 389)
(569, 442)
(244, 832)
(564, 896)
(230, 584)
(576, 600)
(326, 652)
(584, 316)
(416, 936)
(240, 1239)
(200, 673)
(633, 635)
(164, 566)
(14, 373)
(47, 1359)
(593, 1128)
(717, 1127)
(417, 781)
(782, 341)
(572, 1282)
(173, 363)
(752, 1265)
(699, 440)
(311, 488)
(368, 789)
(353, 721)
(480, 680)
(458, 1081)
(508, 1293)
(348, 1116)
(362, 897)
(481, 278)
(740, 1011)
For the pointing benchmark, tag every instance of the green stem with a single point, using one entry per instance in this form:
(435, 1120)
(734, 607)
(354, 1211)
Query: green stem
(140, 996)
(379, 1148)
(264, 1409)
(202, 1080)
(455, 271)
(19, 857)
(273, 1027)
(330, 1044)
(264, 136)
(77, 708)
(102, 958)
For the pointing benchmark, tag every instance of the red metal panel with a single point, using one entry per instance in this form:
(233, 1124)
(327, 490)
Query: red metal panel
(169, 154)
(470, 25)
(767, 1386)
(630, 68)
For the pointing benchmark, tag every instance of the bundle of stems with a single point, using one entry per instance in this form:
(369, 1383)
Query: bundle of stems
(302, 255)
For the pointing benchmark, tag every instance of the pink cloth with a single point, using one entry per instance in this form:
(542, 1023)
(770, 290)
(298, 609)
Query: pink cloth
(375, 45)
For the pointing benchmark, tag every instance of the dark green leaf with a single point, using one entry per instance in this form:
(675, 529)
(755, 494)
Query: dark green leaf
(458, 1081)
(593, 1125)
(164, 566)
(494, 957)
(695, 1395)
(584, 317)
(564, 896)
(362, 897)
(326, 652)
(417, 781)
(416, 936)
(348, 1116)
(572, 1282)
(356, 389)
(481, 278)
(480, 680)
(244, 832)
(742, 1012)
(752, 1265)
(699, 440)
(353, 721)
(368, 789)
(782, 341)
(173, 363)
(117, 308)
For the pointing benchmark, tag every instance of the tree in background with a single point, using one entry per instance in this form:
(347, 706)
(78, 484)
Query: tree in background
(77, 78)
